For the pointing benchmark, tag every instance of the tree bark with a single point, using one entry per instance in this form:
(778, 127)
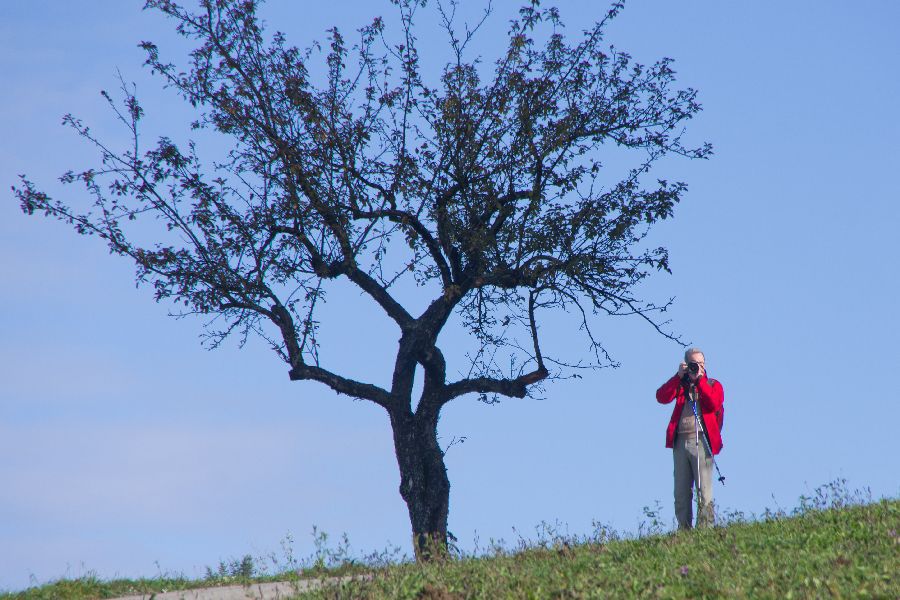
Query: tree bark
(424, 485)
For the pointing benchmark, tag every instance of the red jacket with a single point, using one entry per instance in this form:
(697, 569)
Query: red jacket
(711, 396)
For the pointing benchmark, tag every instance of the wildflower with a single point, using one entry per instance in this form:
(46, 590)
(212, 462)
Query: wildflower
(683, 570)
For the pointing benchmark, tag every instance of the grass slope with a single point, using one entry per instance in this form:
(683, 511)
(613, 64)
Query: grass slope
(852, 552)
(848, 552)
(91, 587)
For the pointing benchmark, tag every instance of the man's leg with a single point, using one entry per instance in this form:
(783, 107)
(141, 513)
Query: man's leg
(707, 515)
(684, 484)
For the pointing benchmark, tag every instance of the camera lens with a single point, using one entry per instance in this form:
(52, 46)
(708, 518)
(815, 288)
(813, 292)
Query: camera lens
(694, 367)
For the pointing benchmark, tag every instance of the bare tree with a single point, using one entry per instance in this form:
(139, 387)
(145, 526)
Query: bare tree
(489, 193)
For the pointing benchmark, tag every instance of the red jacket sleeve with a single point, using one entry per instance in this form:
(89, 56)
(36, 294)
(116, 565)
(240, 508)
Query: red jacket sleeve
(667, 391)
(711, 395)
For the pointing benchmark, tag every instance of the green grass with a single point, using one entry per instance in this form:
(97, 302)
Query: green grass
(91, 587)
(238, 572)
(847, 551)
(852, 552)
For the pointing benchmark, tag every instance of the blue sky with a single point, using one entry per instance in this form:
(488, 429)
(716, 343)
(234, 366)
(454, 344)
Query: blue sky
(125, 448)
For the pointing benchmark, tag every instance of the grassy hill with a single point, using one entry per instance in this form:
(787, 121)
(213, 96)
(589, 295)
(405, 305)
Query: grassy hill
(846, 552)
(853, 552)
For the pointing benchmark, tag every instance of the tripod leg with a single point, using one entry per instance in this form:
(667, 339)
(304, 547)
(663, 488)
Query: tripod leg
(697, 473)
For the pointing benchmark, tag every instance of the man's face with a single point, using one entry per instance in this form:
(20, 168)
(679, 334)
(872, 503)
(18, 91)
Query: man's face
(698, 358)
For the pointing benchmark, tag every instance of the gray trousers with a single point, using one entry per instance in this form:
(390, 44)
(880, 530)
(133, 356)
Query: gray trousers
(686, 475)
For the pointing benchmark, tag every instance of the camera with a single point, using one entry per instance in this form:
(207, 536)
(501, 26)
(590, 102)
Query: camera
(694, 367)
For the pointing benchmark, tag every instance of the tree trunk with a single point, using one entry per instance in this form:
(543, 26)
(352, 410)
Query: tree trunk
(424, 485)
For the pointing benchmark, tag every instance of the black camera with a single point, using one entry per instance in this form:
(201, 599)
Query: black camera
(694, 367)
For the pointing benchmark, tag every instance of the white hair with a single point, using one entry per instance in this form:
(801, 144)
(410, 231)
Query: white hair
(689, 351)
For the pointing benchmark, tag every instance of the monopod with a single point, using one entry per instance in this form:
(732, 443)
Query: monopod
(702, 431)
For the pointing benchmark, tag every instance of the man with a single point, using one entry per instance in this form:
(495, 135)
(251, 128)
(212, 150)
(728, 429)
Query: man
(692, 390)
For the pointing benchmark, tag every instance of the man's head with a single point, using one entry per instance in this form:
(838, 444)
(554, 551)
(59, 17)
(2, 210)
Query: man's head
(695, 363)
(694, 355)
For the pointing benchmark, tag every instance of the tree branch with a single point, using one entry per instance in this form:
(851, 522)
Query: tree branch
(343, 385)
(514, 388)
(406, 219)
(517, 387)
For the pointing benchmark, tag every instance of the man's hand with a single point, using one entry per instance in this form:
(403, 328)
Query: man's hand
(682, 369)
(699, 373)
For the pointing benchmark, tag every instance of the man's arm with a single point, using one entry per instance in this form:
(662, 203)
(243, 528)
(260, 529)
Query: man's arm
(667, 391)
(711, 394)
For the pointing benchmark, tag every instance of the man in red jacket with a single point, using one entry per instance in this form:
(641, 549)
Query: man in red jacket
(692, 390)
